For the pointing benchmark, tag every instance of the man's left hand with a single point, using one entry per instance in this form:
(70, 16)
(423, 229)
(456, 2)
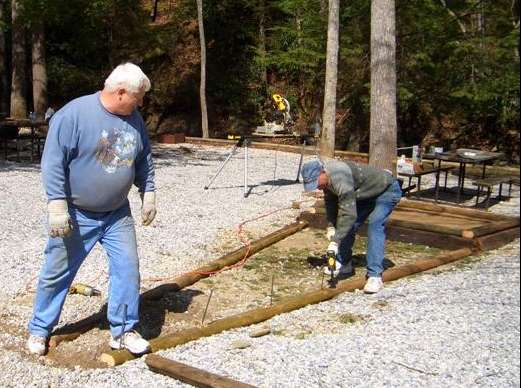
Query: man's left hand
(148, 210)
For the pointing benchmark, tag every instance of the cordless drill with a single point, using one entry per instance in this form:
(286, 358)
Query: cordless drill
(331, 264)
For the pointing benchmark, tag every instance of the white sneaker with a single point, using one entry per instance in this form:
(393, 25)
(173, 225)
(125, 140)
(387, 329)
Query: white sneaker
(340, 269)
(37, 345)
(373, 285)
(131, 341)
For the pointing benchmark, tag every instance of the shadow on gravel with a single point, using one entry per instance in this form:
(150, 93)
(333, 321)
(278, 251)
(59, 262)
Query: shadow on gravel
(154, 316)
(270, 185)
(187, 156)
(15, 166)
(448, 196)
(151, 315)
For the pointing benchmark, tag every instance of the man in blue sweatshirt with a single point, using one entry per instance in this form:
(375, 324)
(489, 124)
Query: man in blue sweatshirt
(354, 193)
(96, 148)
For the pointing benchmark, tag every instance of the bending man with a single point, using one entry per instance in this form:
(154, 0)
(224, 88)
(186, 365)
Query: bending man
(354, 193)
(96, 148)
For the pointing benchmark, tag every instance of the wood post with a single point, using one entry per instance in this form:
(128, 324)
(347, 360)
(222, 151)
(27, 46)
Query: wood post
(118, 357)
(490, 228)
(190, 375)
(73, 331)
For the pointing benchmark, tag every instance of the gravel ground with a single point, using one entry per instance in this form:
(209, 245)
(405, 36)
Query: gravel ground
(456, 327)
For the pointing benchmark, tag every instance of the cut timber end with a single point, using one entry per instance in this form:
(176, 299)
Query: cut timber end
(469, 234)
(107, 359)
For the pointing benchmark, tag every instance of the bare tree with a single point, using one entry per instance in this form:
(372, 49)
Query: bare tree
(382, 137)
(327, 141)
(202, 86)
(4, 82)
(153, 14)
(18, 102)
(262, 45)
(39, 70)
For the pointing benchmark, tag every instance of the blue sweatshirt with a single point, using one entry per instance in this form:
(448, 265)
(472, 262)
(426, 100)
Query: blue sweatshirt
(92, 157)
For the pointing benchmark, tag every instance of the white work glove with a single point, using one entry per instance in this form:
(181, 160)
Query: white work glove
(148, 209)
(333, 247)
(59, 219)
(330, 232)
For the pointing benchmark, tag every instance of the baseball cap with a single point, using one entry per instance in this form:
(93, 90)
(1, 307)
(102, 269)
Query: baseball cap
(310, 173)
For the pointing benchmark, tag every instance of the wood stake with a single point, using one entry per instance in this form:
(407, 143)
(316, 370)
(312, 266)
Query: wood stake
(207, 304)
(271, 295)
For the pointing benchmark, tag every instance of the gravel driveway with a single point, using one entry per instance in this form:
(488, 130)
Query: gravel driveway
(456, 327)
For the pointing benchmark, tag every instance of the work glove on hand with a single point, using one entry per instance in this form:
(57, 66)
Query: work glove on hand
(148, 209)
(330, 232)
(333, 247)
(59, 219)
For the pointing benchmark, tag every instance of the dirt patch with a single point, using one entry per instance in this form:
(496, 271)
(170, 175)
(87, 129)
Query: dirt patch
(292, 266)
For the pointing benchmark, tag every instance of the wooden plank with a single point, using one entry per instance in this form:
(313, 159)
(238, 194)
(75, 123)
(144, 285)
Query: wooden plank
(451, 210)
(423, 237)
(490, 228)
(431, 220)
(455, 231)
(190, 375)
(439, 211)
(497, 240)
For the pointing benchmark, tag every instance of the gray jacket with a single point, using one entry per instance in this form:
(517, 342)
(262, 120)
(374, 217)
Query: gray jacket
(350, 182)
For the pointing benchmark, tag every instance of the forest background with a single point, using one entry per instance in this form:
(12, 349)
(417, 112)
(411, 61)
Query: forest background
(457, 64)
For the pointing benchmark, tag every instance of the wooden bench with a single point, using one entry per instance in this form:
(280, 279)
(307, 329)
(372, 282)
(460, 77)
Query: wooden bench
(418, 175)
(492, 181)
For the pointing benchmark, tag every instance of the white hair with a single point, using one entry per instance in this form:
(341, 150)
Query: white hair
(127, 76)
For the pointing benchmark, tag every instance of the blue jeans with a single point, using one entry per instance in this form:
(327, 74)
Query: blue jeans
(376, 211)
(63, 256)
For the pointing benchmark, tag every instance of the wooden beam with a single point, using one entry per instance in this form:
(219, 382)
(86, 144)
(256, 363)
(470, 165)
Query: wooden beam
(190, 375)
(448, 210)
(73, 331)
(118, 357)
(497, 240)
(423, 237)
(490, 228)
(441, 229)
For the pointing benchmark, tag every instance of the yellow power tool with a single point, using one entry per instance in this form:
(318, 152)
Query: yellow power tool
(331, 265)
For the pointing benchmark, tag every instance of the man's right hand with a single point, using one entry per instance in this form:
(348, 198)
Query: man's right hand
(59, 219)
(333, 247)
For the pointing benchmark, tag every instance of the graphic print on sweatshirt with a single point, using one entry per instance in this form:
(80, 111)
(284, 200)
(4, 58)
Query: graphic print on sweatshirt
(116, 148)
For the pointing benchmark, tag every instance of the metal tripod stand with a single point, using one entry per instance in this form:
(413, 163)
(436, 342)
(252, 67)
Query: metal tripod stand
(242, 142)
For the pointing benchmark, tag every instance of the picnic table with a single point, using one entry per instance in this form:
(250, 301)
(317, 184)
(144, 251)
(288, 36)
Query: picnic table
(464, 156)
(12, 129)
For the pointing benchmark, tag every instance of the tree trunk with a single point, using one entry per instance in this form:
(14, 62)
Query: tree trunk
(262, 47)
(39, 71)
(382, 143)
(18, 102)
(153, 14)
(202, 87)
(327, 141)
(4, 82)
